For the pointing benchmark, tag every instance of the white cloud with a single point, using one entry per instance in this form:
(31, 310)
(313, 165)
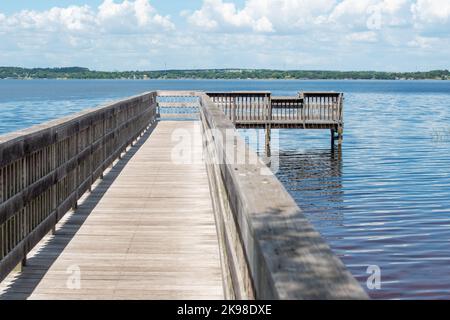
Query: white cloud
(366, 36)
(373, 25)
(372, 14)
(389, 13)
(290, 16)
(431, 11)
(216, 13)
(110, 16)
(325, 34)
(432, 17)
(422, 42)
(130, 15)
(117, 34)
(350, 9)
(260, 15)
(72, 18)
(353, 20)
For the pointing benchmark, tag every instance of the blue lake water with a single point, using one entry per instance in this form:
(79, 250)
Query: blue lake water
(383, 200)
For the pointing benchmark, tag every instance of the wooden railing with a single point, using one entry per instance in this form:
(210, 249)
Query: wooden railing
(269, 249)
(326, 107)
(309, 110)
(177, 105)
(243, 106)
(44, 170)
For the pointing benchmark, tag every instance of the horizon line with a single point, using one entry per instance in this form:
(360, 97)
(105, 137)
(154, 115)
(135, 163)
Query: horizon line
(228, 69)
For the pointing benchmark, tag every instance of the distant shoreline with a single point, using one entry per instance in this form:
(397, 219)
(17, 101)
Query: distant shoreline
(78, 73)
(219, 79)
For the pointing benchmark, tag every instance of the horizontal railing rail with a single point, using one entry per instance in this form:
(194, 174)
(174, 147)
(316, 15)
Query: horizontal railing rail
(268, 246)
(182, 105)
(44, 170)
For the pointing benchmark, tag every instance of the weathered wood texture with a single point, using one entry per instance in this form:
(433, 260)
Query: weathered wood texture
(272, 251)
(309, 110)
(44, 170)
(147, 230)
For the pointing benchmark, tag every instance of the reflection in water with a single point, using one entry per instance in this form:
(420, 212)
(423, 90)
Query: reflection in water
(314, 178)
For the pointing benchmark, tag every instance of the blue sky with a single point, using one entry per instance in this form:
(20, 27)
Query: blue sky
(393, 35)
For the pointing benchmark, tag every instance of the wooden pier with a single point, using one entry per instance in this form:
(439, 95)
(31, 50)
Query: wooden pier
(98, 205)
(307, 110)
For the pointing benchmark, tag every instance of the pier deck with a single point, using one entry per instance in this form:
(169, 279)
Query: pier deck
(146, 231)
(131, 200)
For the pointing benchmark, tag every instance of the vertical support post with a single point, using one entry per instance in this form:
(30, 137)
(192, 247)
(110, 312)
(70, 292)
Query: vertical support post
(233, 114)
(91, 134)
(267, 146)
(76, 151)
(158, 111)
(340, 135)
(54, 150)
(268, 124)
(53, 231)
(333, 132)
(341, 113)
(19, 267)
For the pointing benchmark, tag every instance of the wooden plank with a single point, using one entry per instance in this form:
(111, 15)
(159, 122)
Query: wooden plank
(147, 231)
(177, 93)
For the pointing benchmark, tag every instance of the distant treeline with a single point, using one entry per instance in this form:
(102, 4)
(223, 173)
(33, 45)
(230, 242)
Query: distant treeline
(84, 73)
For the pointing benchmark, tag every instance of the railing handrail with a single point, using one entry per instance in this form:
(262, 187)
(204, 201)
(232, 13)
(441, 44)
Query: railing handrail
(319, 93)
(240, 93)
(45, 169)
(23, 134)
(177, 93)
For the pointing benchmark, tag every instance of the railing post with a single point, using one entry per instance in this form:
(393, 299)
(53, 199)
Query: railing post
(341, 128)
(233, 106)
(77, 169)
(340, 132)
(268, 126)
(333, 137)
(21, 265)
